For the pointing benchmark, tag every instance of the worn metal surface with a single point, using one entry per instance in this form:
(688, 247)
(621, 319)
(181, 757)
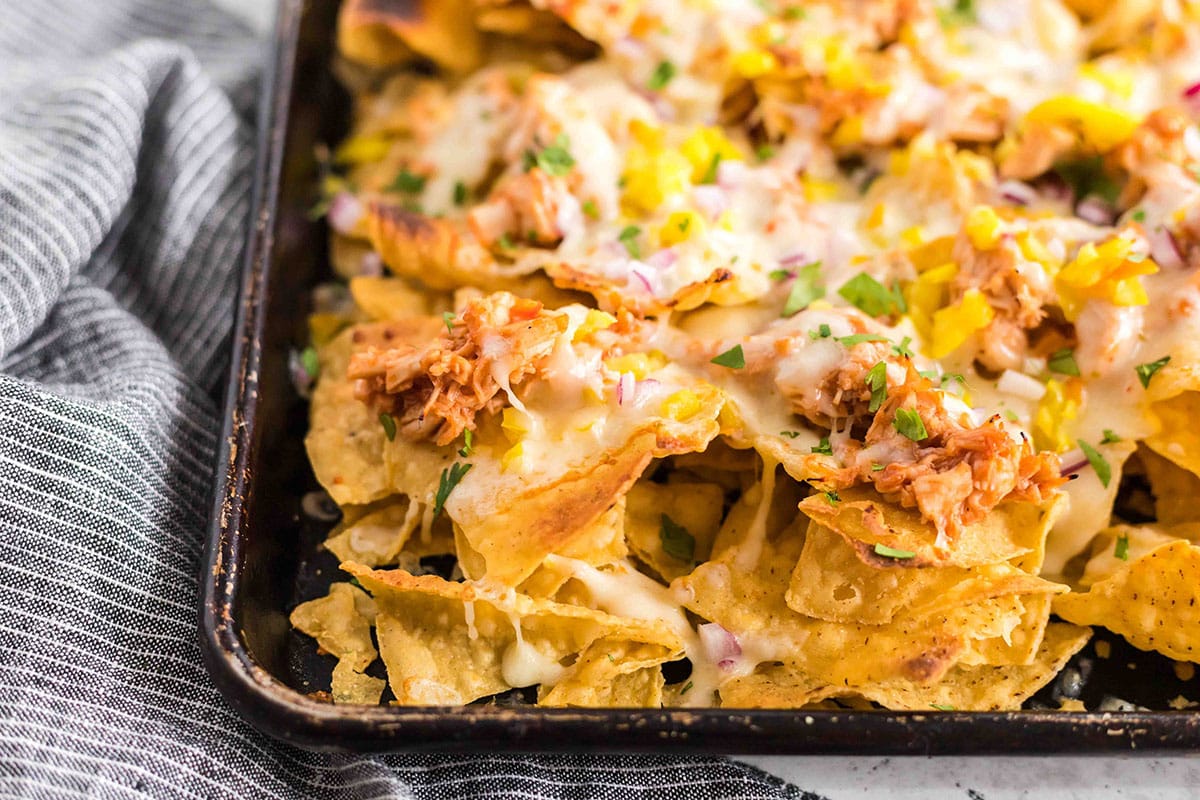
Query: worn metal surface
(262, 554)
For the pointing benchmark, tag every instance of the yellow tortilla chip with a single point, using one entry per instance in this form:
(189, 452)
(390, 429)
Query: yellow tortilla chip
(1176, 490)
(1131, 542)
(386, 34)
(385, 299)
(351, 687)
(451, 643)
(612, 673)
(1173, 400)
(695, 507)
(601, 543)
(773, 686)
(1011, 532)
(1153, 601)
(556, 506)
(389, 534)
(831, 582)
(341, 623)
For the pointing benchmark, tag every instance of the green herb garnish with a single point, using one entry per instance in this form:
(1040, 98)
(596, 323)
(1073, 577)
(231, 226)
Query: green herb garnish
(733, 358)
(823, 331)
(1063, 362)
(448, 318)
(872, 297)
(460, 193)
(311, 362)
(628, 237)
(859, 338)
(891, 552)
(676, 541)
(789, 434)
(1110, 437)
(407, 182)
(710, 174)
(554, 159)
(389, 425)
(1098, 462)
(590, 209)
(832, 497)
(823, 447)
(908, 423)
(468, 443)
(1121, 550)
(903, 349)
(805, 290)
(449, 479)
(661, 76)
(1146, 371)
(877, 381)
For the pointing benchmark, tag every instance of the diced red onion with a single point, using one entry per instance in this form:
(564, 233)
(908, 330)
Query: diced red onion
(1053, 187)
(626, 386)
(730, 174)
(1192, 90)
(1017, 193)
(719, 645)
(794, 259)
(629, 47)
(1164, 249)
(371, 264)
(1073, 462)
(711, 200)
(663, 258)
(1094, 210)
(301, 381)
(344, 212)
(643, 280)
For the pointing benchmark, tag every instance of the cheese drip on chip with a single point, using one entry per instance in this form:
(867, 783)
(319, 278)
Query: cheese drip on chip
(757, 354)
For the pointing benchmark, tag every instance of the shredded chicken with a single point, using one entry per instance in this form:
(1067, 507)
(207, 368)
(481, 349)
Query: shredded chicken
(1156, 145)
(1036, 150)
(1017, 289)
(525, 206)
(436, 391)
(957, 473)
(842, 392)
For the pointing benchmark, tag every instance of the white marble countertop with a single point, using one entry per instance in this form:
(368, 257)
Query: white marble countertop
(985, 778)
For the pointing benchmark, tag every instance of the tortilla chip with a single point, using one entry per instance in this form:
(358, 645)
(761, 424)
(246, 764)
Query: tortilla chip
(556, 506)
(831, 582)
(349, 686)
(341, 623)
(1175, 489)
(1019, 646)
(987, 688)
(696, 507)
(721, 287)
(601, 543)
(384, 33)
(1173, 397)
(384, 299)
(773, 686)
(1011, 532)
(612, 673)
(377, 537)
(1138, 540)
(1153, 601)
(451, 643)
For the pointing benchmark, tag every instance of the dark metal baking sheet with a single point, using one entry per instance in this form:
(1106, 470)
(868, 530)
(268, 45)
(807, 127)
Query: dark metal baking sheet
(263, 555)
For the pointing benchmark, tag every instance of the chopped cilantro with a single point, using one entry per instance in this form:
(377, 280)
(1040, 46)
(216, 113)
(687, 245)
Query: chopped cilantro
(891, 552)
(733, 358)
(460, 193)
(468, 443)
(506, 242)
(1087, 176)
(793, 12)
(554, 159)
(1098, 462)
(448, 318)
(903, 350)
(1146, 371)
(832, 497)
(877, 467)
(1121, 550)
(805, 290)
(823, 447)
(661, 76)
(686, 688)
(823, 331)
(676, 541)
(590, 209)
(1110, 437)
(765, 152)
(942, 707)
(312, 364)
(628, 237)
(872, 297)
(407, 182)
(929, 374)
(611, 657)
(449, 479)
(1063, 362)
(710, 174)
(859, 338)
(789, 434)
(1139, 215)
(779, 274)
(1011, 415)
(908, 423)
(389, 425)
(877, 381)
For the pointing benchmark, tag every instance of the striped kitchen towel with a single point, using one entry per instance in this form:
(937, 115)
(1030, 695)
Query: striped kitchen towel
(125, 155)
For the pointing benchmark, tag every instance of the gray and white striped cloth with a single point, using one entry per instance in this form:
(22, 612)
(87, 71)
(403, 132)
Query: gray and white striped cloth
(125, 153)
